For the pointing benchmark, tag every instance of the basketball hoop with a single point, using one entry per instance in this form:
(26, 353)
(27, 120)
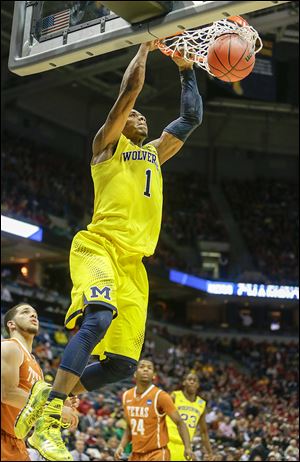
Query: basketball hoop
(193, 44)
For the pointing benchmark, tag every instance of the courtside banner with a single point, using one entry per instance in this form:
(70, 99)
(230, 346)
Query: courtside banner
(240, 289)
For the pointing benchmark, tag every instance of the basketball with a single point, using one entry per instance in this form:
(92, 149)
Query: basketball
(230, 58)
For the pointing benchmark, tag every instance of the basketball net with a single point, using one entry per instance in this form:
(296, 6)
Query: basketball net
(193, 44)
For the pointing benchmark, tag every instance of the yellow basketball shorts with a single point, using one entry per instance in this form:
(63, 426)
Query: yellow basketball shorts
(176, 451)
(105, 274)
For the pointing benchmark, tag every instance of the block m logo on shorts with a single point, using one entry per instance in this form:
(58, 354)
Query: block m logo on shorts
(96, 292)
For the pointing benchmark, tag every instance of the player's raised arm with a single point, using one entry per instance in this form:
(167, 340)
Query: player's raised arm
(176, 133)
(131, 86)
(11, 360)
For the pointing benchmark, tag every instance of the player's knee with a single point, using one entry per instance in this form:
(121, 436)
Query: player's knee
(120, 368)
(95, 323)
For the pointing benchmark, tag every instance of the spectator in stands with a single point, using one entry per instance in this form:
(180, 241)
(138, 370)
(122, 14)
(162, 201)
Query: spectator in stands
(292, 451)
(60, 337)
(250, 386)
(5, 294)
(260, 208)
(89, 420)
(79, 452)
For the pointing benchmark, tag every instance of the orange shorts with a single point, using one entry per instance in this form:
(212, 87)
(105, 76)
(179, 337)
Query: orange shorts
(12, 448)
(158, 454)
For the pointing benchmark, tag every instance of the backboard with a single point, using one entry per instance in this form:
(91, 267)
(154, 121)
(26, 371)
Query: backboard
(49, 34)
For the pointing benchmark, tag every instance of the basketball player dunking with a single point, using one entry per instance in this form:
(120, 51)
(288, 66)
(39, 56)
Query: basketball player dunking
(146, 408)
(19, 373)
(110, 286)
(192, 411)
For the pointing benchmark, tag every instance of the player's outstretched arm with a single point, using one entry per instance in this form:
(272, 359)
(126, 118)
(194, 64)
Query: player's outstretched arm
(176, 133)
(126, 438)
(131, 86)
(11, 360)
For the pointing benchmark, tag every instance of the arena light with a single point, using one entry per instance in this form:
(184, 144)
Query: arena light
(24, 271)
(22, 229)
(240, 289)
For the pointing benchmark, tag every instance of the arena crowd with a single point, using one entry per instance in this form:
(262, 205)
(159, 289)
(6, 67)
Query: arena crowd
(250, 388)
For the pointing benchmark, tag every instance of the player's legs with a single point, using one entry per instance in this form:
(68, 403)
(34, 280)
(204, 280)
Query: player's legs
(47, 438)
(125, 336)
(96, 321)
(124, 339)
(176, 451)
(110, 370)
(93, 297)
(12, 448)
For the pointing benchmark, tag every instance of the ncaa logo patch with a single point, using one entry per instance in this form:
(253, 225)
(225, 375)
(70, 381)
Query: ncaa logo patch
(149, 401)
(95, 292)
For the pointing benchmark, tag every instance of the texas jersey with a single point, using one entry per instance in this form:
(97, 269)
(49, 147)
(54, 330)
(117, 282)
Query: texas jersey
(190, 413)
(30, 372)
(146, 416)
(128, 197)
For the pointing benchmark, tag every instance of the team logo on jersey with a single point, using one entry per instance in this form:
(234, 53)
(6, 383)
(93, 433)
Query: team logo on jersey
(149, 401)
(95, 292)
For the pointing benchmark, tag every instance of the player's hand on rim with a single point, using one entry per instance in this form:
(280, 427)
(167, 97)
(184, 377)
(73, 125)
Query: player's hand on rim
(181, 62)
(152, 45)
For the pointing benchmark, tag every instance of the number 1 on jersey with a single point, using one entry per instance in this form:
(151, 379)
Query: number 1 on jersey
(148, 180)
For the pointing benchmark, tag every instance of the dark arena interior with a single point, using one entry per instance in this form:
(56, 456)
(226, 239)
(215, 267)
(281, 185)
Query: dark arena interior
(224, 277)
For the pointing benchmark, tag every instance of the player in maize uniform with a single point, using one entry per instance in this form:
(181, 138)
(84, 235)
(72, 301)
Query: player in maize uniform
(146, 408)
(192, 411)
(110, 286)
(106, 261)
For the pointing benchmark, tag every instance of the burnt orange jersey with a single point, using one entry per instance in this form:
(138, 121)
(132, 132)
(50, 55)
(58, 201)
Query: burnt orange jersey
(30, 372)
(146, 415)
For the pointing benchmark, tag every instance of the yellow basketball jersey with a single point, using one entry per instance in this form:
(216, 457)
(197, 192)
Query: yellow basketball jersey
(128, 197)
(190, 413)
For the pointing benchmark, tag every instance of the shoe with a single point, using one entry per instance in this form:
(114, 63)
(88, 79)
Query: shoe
(33, 408)
(46, 438)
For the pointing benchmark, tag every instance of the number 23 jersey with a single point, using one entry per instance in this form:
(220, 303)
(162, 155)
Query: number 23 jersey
(190, 413)
(128, 197)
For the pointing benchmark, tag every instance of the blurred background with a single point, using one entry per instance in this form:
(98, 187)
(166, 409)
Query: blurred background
(230, 215)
